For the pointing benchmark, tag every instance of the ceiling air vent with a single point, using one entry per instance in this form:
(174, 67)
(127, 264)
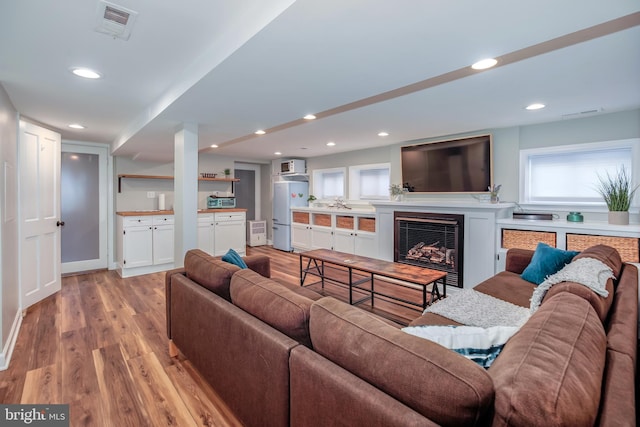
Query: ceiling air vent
(115, 20)
(584, 113)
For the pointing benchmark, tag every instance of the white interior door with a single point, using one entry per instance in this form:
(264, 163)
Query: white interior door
(84, 188)
(39, 189)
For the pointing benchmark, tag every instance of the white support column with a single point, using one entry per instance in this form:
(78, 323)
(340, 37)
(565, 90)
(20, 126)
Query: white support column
(186, 191)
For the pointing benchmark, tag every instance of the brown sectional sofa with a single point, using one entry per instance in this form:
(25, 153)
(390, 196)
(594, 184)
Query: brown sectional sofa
(281, 355)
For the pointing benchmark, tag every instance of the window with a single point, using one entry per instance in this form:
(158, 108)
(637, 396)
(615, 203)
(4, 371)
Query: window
(570, 174)
(369, 182)
(329, 183)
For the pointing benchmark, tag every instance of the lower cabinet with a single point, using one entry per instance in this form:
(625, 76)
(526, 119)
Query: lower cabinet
(350, 233)
(230, 232)
(145, 244)
(219, 232)
(301, 236)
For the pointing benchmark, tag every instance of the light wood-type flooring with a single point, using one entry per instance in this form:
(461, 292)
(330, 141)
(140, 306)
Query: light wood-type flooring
(100, 346)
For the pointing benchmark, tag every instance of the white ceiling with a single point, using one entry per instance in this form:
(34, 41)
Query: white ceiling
(234, 66)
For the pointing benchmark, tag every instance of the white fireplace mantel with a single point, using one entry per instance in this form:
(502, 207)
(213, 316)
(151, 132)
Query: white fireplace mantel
(479, 231)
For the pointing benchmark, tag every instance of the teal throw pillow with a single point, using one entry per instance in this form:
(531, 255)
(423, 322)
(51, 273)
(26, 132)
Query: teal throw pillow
(545, 262)
(234, 257)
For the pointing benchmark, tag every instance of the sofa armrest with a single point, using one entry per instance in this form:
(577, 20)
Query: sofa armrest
(167, 292)
(518, 260)
(261, 264)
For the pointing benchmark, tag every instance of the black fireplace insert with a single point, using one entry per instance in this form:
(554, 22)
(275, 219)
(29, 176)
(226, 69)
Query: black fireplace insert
(431, 240)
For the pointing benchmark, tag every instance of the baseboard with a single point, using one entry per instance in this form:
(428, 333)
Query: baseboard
(7, 351)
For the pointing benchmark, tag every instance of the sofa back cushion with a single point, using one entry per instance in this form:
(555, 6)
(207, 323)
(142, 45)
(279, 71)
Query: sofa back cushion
(606, 254)
(435, 382)
(601, 305)
(550, 372)
(274, 304)
(211, 273)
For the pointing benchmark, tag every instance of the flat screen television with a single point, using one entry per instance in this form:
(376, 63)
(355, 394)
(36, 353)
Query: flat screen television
(462, 165)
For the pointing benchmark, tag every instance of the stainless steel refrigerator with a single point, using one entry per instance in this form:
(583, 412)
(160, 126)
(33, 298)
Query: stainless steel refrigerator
(286, 194)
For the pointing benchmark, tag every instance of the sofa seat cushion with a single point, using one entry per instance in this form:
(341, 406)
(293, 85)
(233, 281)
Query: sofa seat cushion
(432, 380)
(558, 356)
(277, 306)
(209, 272)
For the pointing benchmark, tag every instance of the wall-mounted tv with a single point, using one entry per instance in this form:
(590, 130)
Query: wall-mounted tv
(462, 165)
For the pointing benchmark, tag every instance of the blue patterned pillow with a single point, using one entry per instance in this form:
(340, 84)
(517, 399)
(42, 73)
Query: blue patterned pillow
(234, 258)
(545, 262)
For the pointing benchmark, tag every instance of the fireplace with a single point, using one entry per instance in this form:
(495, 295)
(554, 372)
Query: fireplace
(431, 240)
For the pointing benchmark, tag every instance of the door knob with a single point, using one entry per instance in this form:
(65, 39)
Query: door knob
(60, 224)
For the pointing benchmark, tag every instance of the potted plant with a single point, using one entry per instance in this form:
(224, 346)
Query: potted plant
(617, 193)
(227, 172)
(397, 191)
(311, 199)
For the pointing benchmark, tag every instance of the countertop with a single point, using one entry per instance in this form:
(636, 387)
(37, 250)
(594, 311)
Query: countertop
(170, 212)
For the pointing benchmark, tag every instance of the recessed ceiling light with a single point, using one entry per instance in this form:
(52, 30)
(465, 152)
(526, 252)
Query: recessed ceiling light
(536, 106)
(214, 146)
(277, 153)
(331, 144)
(309, 117)
(86, 73)
(260, 132)
(484, 64)
(383, 134)
(76, 126)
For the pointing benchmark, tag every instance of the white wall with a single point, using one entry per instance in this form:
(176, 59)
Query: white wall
(10, 295)
(507, 143)
(134, 191)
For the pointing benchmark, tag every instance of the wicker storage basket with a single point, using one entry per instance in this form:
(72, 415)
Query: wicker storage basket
(367, 224)
(524, 239)
(628, 247)
(323, 220)
(345, 222)
(301, 217)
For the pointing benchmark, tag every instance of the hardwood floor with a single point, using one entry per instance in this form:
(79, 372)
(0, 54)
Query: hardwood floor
(100, 345)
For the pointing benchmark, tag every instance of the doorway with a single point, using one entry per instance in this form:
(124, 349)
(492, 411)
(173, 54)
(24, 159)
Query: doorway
(247, 191)
(83, 205)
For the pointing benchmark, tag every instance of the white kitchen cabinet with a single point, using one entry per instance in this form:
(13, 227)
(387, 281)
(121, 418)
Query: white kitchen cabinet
(163, 250)
(343, 231)
(301, 236)
(205, 232)
(145, 244)
(321, 237)
(355, 234)
(230, 232)
(137, 242)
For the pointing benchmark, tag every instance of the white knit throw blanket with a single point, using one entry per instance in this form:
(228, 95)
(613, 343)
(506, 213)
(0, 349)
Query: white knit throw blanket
(589, 272)
(474, 308)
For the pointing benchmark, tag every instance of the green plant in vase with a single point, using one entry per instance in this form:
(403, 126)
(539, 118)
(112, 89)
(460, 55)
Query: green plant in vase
(617, 191)
(396, 191)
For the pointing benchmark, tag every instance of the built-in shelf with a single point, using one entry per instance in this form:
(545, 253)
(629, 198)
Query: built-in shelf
(132, 176)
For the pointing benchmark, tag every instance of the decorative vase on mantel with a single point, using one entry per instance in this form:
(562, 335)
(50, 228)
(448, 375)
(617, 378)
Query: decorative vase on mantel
(619, 217)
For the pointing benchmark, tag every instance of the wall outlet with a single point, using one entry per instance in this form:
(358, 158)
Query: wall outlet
(151, 194)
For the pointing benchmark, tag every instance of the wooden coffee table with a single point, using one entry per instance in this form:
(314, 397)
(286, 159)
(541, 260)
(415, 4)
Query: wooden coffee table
(363, 271)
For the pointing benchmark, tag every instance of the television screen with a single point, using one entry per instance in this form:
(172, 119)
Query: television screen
(455, 166)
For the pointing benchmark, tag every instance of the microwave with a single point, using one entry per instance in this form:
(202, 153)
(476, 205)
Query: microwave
(293, 166)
